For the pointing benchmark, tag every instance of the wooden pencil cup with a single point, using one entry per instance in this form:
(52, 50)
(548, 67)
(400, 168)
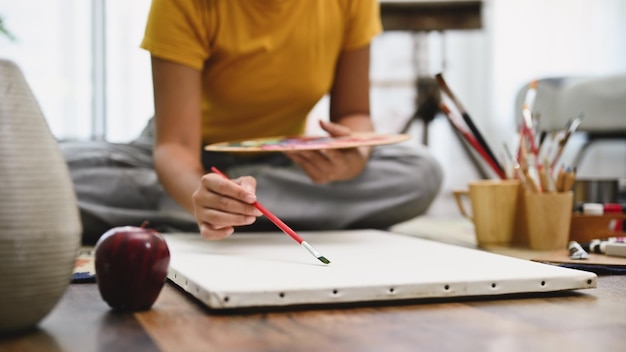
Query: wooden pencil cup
(546, 219)
(520, 232)
(493, 209)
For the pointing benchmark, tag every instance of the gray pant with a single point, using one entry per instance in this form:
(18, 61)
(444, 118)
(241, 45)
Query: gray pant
(116, 185)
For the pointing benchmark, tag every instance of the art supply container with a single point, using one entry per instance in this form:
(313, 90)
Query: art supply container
(493, 209)
(547, 218)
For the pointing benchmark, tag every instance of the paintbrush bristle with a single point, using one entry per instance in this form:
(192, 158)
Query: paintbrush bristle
(323, 260)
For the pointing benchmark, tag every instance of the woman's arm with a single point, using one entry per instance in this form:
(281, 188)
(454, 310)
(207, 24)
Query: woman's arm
(349, 96)
(349, 112)
(216, 203)
(177, 91)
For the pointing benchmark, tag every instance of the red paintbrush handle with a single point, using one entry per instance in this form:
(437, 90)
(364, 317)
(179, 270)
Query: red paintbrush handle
(484, 154)
(473, 141)
(281, 225)
(273, 218)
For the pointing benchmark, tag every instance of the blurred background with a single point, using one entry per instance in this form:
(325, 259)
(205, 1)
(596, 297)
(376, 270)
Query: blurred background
(83, 62)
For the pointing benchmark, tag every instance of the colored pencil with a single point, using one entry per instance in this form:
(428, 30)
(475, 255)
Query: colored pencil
(569, 179)
(472, 141)
(281, 225)
(546, 173)
(560, 178)
(468, 121)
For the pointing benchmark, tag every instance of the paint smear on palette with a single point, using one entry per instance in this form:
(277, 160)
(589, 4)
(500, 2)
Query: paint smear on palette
(285, 143)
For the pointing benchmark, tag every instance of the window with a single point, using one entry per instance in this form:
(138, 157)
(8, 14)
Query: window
(83, 62)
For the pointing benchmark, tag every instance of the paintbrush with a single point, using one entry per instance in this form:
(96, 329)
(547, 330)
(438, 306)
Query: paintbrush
(527, 129)
(528, 167)
(518, 169)
(542, 138)
(472, 141)
(570, 129)
(281, 225)
(569, 179)
(531, 94)
(468, 121)
(529, 102)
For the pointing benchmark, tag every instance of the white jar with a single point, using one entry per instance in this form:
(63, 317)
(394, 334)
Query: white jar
(39, 219)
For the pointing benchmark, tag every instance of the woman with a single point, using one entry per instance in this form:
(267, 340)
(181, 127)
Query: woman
(240, 69)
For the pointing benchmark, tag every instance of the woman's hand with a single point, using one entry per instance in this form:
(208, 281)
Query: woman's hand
(221, 204)
(330, 165)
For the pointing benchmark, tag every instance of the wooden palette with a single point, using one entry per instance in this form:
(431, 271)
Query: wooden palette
(302, 142)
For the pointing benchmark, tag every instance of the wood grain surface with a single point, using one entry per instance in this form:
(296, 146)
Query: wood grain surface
(574, 321)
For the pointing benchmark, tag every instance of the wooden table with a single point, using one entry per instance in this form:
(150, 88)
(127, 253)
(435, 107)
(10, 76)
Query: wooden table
(587, 320)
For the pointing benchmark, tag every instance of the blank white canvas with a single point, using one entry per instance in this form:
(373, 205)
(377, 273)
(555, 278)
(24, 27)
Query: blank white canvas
(270, 269)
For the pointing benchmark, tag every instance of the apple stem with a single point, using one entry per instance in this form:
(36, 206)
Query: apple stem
(144, 224)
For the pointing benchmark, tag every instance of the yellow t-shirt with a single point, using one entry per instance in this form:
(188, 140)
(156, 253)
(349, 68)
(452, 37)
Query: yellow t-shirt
(264, 63)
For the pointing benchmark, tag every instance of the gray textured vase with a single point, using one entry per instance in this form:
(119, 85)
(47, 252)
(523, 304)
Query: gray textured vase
(39, 219)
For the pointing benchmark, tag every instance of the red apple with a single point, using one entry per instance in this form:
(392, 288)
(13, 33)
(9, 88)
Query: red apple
(131, 267)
